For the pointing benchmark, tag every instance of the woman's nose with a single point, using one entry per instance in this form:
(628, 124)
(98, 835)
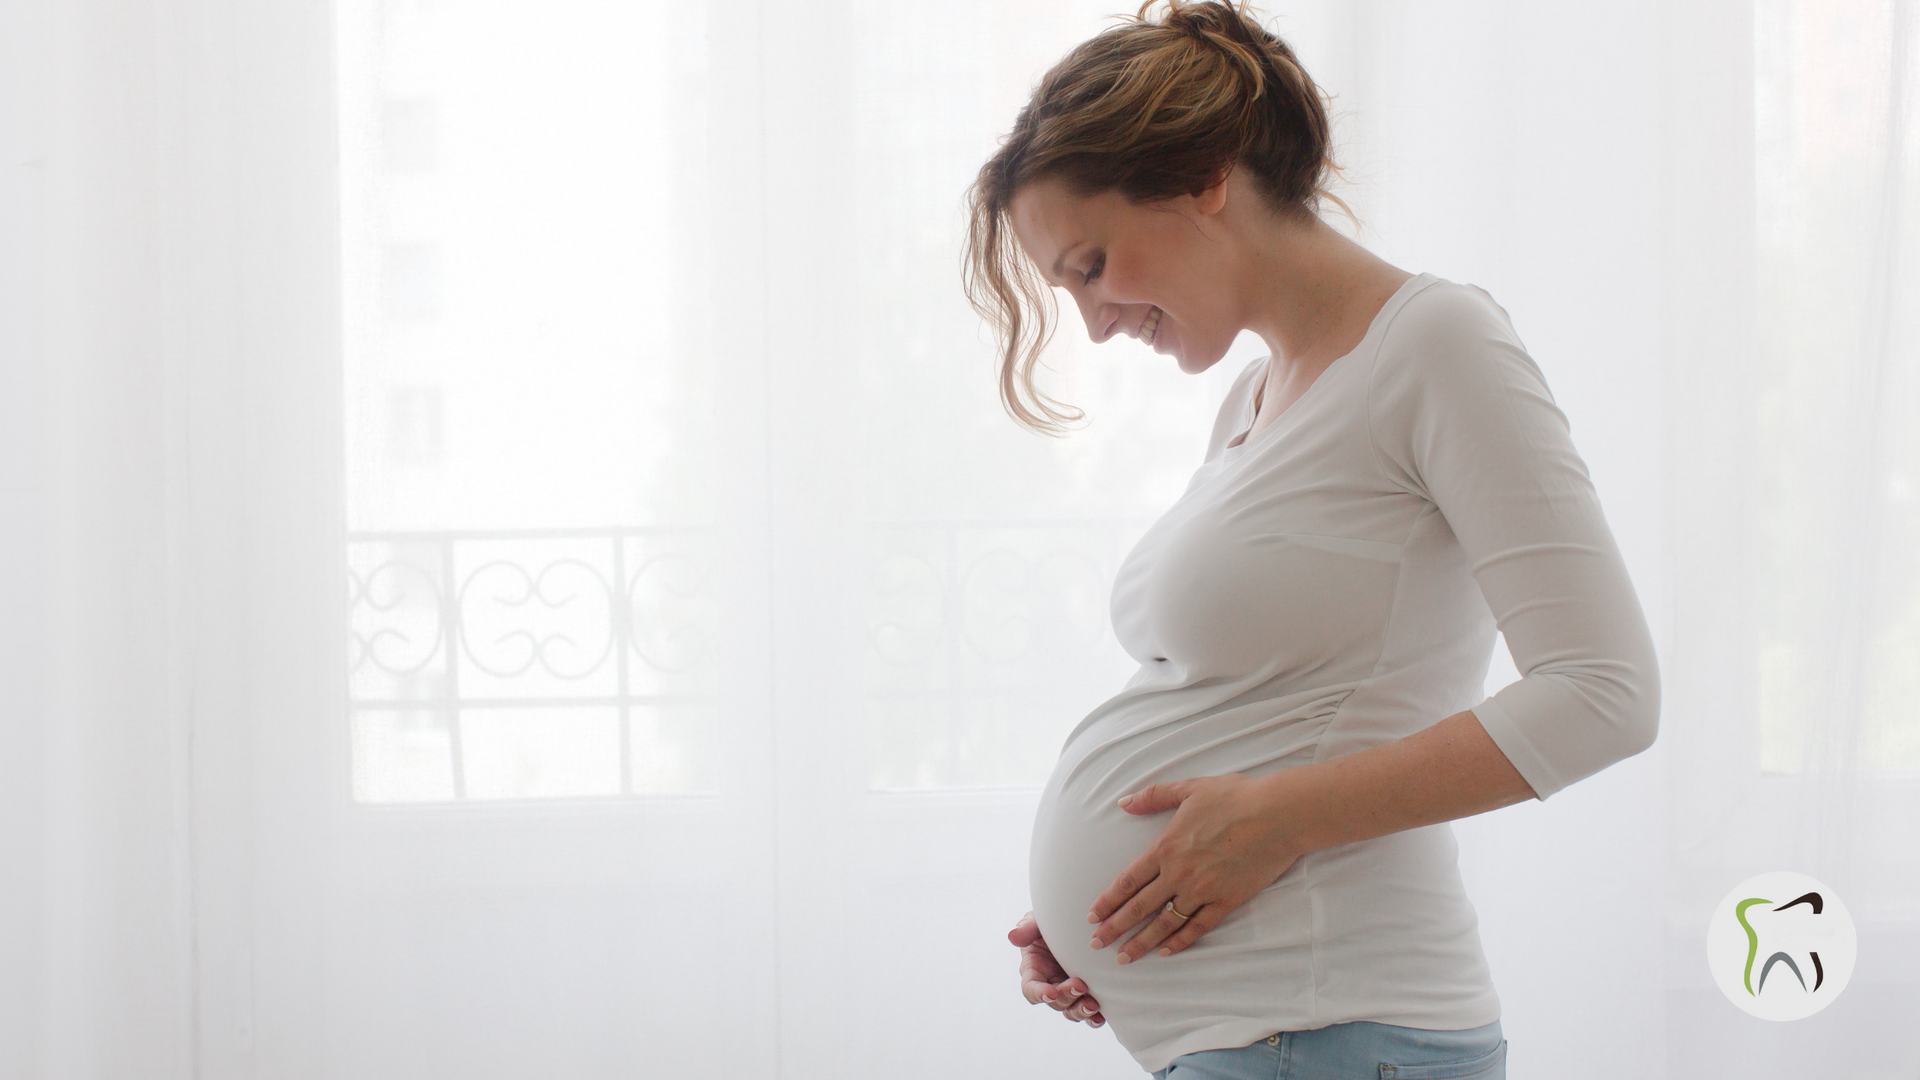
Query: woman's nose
(1100, 320)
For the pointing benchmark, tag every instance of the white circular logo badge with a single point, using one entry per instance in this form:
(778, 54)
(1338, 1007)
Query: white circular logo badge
(1781, 946)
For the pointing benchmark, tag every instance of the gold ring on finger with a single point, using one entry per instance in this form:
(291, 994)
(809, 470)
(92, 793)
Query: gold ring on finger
(1176, 912)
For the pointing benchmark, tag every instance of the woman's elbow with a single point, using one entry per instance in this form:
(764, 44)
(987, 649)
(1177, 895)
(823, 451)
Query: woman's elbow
(1639, 712)
(1623, 700)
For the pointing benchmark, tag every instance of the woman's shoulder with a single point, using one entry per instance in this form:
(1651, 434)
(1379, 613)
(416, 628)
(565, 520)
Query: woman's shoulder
(1448, 350)
(1447, 330)
(1441, 309)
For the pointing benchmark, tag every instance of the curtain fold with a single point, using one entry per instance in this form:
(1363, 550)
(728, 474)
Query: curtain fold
(350, 352)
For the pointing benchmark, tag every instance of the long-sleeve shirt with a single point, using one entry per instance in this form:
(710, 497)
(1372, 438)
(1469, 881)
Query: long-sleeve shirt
(1326, 584)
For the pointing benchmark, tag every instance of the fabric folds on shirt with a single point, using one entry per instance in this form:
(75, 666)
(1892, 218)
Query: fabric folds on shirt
(1330, 583)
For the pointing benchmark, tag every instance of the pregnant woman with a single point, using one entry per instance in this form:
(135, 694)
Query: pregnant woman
(1242, 860)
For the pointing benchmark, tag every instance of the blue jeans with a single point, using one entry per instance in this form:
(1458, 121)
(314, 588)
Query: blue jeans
(1362, 1050)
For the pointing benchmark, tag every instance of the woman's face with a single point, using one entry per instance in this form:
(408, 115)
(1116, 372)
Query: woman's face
(1150, 272)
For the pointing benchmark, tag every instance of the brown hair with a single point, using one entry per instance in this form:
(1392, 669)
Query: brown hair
(1152, 110)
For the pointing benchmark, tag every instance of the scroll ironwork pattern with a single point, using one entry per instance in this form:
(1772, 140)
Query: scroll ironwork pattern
(533, 640)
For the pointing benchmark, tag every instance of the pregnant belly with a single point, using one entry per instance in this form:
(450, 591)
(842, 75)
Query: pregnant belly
(1380, 927)
(1082, 840)
(1262, 952)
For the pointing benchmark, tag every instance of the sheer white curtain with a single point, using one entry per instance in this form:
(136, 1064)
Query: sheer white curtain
(1793, 170)
(510, 563)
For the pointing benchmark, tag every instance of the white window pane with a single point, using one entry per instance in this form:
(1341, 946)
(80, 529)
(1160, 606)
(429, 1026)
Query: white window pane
(401, 755)
(527, 395)
(540, 753)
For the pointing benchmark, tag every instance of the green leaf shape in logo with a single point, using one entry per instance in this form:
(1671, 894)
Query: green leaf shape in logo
(1753, 939)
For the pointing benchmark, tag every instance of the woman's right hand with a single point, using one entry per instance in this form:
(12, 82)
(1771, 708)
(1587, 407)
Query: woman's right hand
(1043, 980)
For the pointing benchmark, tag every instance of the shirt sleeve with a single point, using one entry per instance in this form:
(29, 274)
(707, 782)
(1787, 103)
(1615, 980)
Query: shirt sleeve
(1461, 415)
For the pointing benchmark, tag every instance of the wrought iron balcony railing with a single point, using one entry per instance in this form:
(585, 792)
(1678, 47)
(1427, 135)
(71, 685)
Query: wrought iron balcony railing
(542, 663)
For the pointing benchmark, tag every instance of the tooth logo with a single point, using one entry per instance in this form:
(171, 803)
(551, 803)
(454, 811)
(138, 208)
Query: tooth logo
(1781, 946)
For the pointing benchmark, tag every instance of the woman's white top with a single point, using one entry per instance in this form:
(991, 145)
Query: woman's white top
(1330, 583)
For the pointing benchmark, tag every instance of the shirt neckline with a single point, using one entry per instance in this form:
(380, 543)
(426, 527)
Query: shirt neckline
(1246, 435)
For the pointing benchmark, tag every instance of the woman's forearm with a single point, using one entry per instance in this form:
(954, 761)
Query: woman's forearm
(1450, 770)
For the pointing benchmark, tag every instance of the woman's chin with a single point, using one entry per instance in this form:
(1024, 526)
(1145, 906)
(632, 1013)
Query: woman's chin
(1189, 363)
(1165, 347)
(1170, 345)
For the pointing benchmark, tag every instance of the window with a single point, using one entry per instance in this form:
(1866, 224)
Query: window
(533, 410)
(531, 611)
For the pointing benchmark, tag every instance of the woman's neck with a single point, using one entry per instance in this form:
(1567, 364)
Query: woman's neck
(1311, 293)
(1311, 296)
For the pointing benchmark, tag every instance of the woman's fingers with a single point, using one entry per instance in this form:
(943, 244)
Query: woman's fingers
(1084, 1009)
(1156, 798)
(1039, 992)
(1141, 872)
(1037, 962)
(1157, 931)
(1138, 909)
(1043, 981)
(1203, 920)
(1025, 932)
(1073, 1001)
(1041, 976)
(1065, 994)
(1039, 970)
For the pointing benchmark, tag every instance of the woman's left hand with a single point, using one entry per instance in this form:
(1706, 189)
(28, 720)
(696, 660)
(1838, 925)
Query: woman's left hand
(1230, 837)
